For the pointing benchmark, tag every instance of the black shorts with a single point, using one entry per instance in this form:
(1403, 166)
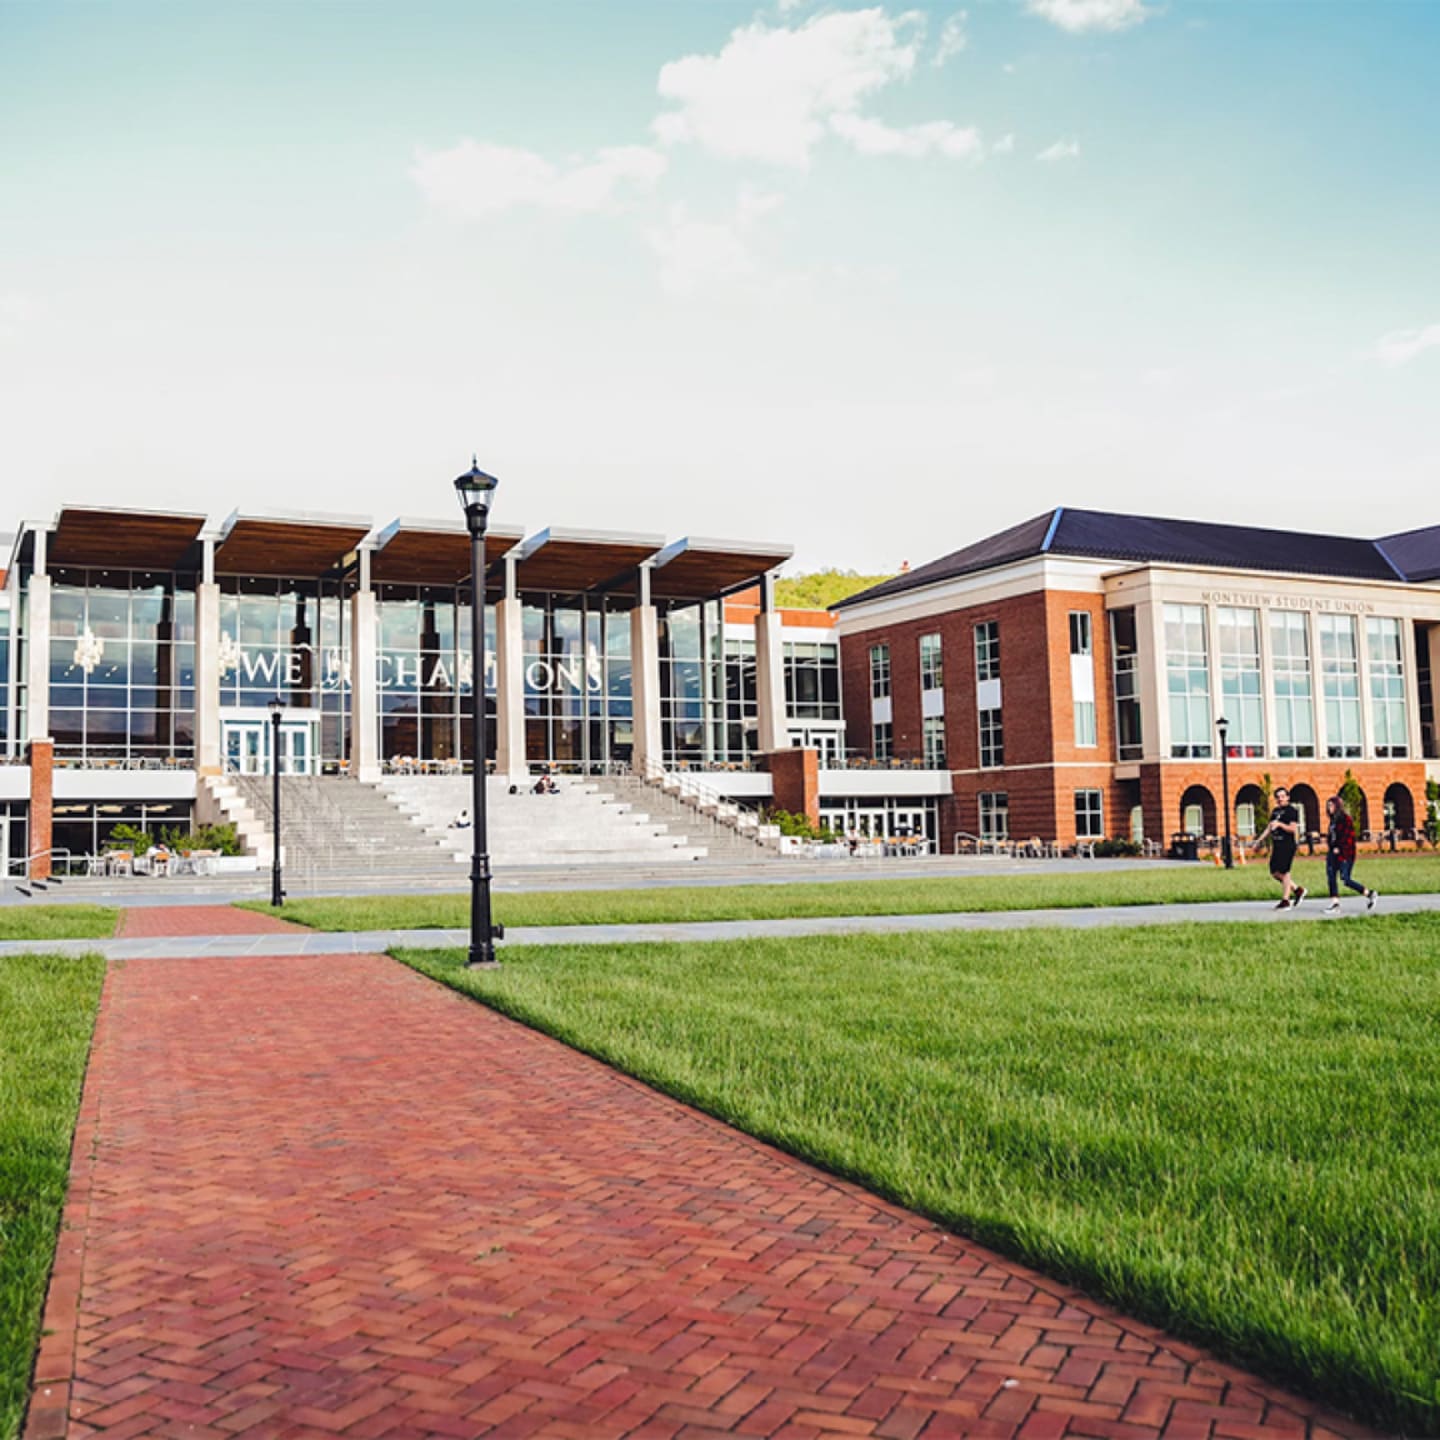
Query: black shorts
(1282, 858)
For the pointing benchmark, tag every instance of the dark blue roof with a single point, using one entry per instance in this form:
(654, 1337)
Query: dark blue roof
(1147, 539)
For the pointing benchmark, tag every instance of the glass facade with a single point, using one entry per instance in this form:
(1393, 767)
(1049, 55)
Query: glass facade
(1089, 814)
(994, 815)
(579, 695)
(987, 651)
(83, 828)
(933, 728)
(932, 668)
(7, 740)
(1340, 671)
(1294, 695)
(812, 679)
(1187, 675)
(992, 740)
(1240, 684)
(122, 666)
(879, 672)
(1386, 659)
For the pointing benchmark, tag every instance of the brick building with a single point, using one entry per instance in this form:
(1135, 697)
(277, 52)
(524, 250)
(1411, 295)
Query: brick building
(1069, 673)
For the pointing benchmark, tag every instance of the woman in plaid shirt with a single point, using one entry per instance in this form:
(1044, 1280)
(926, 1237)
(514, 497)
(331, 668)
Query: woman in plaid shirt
(1340, 856)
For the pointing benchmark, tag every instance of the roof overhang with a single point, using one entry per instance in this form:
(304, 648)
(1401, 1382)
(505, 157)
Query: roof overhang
(434, 552)
(697, 569)
(299, 543)
(125, 539)
(572, 562)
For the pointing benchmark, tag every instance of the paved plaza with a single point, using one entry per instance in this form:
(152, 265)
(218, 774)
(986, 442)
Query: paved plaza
(322, 1196)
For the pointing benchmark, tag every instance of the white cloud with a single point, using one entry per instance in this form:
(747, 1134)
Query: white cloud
(474, 179)
(1005, 145)
(698, 254)
(770, 94)
(952, 38)
(935, 137)
(1400, 347)
(1060, 150)
(1079, 15)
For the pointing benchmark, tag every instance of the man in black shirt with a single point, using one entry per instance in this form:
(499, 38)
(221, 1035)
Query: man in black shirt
(1284, 833)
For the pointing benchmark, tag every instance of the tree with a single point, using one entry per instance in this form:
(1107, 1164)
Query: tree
(822, 588)
(1352, 797)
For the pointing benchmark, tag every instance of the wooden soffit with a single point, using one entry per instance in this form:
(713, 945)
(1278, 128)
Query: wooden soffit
(124, 539)
(304, 546)
(434, 552)
(694, 569)
(572, 562)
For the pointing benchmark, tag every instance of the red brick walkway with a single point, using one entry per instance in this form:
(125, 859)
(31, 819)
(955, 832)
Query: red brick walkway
(325, 1197)
(160, 920)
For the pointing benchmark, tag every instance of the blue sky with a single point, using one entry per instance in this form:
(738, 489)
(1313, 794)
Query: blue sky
(873, 280)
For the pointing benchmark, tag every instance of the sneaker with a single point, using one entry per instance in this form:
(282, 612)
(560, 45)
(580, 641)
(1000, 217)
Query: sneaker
(1283, 905)
(1297, 895)
(1371, 896)
(1333, 908)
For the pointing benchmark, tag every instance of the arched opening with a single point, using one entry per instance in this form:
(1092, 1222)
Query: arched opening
(1197, 811)
(1399, 808)
(1308, 803)
(1250, 817)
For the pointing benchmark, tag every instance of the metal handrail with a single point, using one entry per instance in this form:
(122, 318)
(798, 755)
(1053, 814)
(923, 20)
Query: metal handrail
(25, 862)
(725, 810)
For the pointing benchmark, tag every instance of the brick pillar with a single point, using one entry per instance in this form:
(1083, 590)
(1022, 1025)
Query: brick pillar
(42, 804)
(795, 782)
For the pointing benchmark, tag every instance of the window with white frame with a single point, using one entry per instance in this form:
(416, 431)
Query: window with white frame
(1294, 695)
(994, 815)
(1340, 674)
(1089, 814)
(1240, 684)
(882, 745)
(879, 672)
(992, 740)
(1082, 677)
(1125, 668)
(1187, 676)
(1387, 687)
(987, 650)
(933, 734)
(932, 672)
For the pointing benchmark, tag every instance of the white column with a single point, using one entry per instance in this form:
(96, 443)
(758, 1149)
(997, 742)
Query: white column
(774, 730)
(1412, 686)
(207, 666)
(37, 650)
(510, 753)
(1367, 710)
(1434, 639)
(1267, 685)
(645, 679)
(1154, 711)
(1317, 684)
(364, 715)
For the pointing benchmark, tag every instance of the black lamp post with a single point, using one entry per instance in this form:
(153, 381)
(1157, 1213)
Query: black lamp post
(1223, 725)
(475, 489)
(277, 895)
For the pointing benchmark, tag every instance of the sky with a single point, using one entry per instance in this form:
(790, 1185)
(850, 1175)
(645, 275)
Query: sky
(874, 281)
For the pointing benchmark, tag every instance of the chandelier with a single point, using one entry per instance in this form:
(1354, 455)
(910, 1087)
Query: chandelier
(89, 649)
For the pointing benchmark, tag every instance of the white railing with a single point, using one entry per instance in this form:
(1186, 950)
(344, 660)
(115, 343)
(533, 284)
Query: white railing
(690, 789)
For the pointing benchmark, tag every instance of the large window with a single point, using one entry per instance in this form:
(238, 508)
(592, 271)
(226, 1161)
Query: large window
(1240, 685)
(932, 670)
(934, 738)
(1187, 674)
(1387, 687)
(1294, 698)
(83, 827)
(122, 666)
(1080, 632)
(1125, 663)
(6, 738)
(879, 672)
(994, 815)
(1089, 814)
(1340, 672)
(987, 650)
(812, 679)
(423, 672)
(992, 740)
(882, 740)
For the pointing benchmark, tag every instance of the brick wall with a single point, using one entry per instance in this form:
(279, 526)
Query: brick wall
(795, 781)
(42, 805)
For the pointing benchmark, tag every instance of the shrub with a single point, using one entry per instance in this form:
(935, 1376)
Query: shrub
(221, 838)
(1104, 849)
(1432, 811)
(791, 822)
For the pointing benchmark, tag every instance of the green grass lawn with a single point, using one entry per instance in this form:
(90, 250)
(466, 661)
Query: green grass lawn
(57, 922)
(47, 1011)
(1226, 1129)
(1401, 874)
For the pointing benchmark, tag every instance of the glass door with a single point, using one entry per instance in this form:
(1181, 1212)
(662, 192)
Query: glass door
(245, 747)
(297, 755)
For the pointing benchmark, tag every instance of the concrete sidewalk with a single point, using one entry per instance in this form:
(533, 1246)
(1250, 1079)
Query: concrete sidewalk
(365, 942)
(316, 1199)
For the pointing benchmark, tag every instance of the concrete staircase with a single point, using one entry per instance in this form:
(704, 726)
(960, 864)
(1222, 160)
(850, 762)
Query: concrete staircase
(727, 836)
(584, 824)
